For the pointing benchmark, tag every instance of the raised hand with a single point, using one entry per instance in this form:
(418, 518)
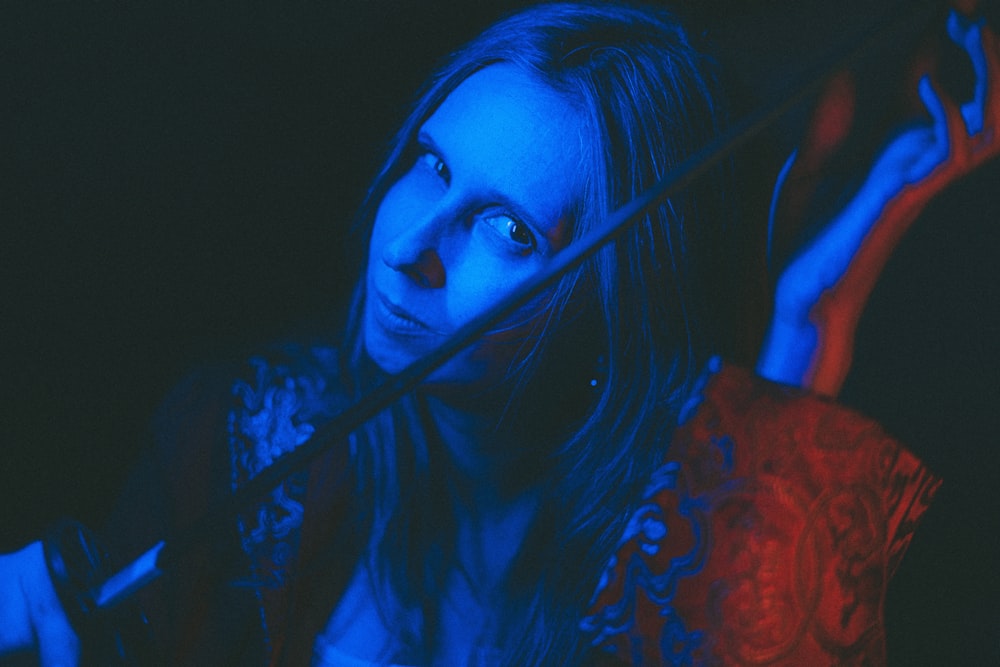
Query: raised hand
(820, 296)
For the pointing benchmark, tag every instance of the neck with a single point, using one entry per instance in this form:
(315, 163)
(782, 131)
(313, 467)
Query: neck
(497, 494)
(492, 467)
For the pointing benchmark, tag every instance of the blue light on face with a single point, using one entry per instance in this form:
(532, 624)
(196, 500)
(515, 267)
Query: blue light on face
(481, 207)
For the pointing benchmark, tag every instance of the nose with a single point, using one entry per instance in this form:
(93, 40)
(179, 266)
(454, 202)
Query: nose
(415, 256)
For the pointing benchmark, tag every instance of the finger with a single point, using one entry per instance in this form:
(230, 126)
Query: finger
(955, 27)
(939, 115)
(970, 39)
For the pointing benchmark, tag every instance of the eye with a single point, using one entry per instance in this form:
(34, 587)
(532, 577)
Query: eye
(435, 164)
(514, 233)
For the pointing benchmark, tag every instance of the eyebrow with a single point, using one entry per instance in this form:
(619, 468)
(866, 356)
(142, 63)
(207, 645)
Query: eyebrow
(428, 141)
(554, 234)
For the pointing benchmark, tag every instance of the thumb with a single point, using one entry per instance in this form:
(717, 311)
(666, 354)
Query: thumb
(58, 645)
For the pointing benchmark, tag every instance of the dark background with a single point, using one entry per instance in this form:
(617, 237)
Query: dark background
(176, 185)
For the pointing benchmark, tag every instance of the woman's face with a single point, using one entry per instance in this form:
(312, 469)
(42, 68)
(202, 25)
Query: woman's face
(483, 205)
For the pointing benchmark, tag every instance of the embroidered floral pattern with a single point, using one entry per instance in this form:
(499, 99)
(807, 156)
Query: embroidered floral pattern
(270, 418)
(768, 538)
(267, 424)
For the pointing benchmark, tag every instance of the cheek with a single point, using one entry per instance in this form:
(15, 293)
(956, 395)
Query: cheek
(477, 279)
(495, 281)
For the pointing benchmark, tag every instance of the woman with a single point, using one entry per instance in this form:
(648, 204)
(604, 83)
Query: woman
(539, 436)
(533, 438)
(476, 518)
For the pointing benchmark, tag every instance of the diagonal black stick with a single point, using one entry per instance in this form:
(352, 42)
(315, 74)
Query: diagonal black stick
(151, 565)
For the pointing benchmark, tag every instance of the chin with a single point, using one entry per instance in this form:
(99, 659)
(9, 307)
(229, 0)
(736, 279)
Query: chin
(391, 361)
(473, 369)
(458, 376)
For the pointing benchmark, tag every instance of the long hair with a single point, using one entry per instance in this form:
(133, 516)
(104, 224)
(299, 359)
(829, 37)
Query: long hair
(637, 313)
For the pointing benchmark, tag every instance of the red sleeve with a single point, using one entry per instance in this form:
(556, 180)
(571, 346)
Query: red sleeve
(769, 535)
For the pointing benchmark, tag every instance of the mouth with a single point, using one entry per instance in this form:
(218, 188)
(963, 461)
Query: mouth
(397, 319)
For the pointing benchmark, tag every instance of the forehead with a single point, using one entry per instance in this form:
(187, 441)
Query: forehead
(504, 129)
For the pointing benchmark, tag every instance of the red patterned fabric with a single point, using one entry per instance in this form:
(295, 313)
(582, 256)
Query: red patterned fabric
(767, 538)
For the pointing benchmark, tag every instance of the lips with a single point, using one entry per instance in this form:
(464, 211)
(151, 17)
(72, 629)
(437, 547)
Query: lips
(395, 318)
